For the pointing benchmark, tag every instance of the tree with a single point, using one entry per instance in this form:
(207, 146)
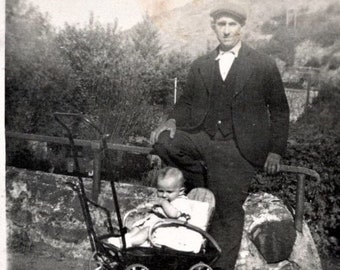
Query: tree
(32, 68)
(111, 76)
(121, 79)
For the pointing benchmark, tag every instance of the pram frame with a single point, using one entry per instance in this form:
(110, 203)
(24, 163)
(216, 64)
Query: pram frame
(104, 252)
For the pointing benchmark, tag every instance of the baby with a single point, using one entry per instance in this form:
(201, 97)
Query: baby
(170, 203)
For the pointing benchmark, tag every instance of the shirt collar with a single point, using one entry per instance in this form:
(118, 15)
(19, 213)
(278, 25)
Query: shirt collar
(235, 50)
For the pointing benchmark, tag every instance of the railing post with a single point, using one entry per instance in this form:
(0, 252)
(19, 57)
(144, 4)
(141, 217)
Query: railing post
(300, 190)
(97, 162)
(309, 82)
(300, 200)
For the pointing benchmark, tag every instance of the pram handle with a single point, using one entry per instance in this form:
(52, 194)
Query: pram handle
(172, 222)
(84, 201)
(84, 118)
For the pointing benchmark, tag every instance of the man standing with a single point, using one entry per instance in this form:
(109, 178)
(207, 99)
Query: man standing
(233, 115)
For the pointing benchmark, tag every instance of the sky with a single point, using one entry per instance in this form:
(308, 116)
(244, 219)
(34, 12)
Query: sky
(128, 12)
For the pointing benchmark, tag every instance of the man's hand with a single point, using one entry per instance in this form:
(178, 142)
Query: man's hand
(272, 164)
(168, 125)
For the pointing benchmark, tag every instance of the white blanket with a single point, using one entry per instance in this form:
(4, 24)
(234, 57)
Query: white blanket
(182, 238)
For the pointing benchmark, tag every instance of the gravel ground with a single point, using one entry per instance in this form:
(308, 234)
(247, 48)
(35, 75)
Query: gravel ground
(20, 261)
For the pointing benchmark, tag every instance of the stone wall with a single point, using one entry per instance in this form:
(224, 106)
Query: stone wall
(44, 214)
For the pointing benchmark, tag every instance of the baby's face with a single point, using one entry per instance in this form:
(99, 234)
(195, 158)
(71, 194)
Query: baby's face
(169, 188)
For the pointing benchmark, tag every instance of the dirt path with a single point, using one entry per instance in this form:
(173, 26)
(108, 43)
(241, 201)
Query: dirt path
(19, 261)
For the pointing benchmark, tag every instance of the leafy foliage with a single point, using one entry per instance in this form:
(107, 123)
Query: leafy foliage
(121, 79)
(309, 27)
(314, 143)
(32, 68)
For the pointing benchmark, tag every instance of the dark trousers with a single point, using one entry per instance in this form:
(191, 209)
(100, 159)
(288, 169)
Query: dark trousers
(228, 177)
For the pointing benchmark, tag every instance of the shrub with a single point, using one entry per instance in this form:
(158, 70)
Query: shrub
(314, 143)
(121, 79)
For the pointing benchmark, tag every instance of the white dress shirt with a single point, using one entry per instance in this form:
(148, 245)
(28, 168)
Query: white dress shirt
(226, 59)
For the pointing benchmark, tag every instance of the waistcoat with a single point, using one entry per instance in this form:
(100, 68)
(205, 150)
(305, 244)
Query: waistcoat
(219, 112)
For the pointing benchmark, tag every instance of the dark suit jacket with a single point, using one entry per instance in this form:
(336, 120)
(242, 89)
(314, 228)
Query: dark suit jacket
(260, 112)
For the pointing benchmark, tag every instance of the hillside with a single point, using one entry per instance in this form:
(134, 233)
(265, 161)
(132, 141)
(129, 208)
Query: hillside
(188, 28)
(297, 33)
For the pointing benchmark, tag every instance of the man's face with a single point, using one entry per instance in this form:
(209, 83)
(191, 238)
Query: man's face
(228, 31)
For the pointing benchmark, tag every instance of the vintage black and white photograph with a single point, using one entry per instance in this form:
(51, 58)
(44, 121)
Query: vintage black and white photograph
(171, 134)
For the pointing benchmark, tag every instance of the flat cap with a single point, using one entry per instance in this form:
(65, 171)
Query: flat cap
(231, 9)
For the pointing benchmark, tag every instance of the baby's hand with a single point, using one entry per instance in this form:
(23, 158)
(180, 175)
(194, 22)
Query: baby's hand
(147, 205)
(158, 201)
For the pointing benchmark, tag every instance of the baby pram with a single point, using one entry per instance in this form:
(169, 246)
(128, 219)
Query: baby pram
(108, 257)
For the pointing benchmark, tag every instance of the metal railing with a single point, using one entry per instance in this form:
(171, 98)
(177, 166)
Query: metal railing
(95, 146)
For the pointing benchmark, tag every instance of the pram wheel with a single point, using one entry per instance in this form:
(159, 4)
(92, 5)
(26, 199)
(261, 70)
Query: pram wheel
(92, 264)
(96, 262)
(200, 266)
(136, 266)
